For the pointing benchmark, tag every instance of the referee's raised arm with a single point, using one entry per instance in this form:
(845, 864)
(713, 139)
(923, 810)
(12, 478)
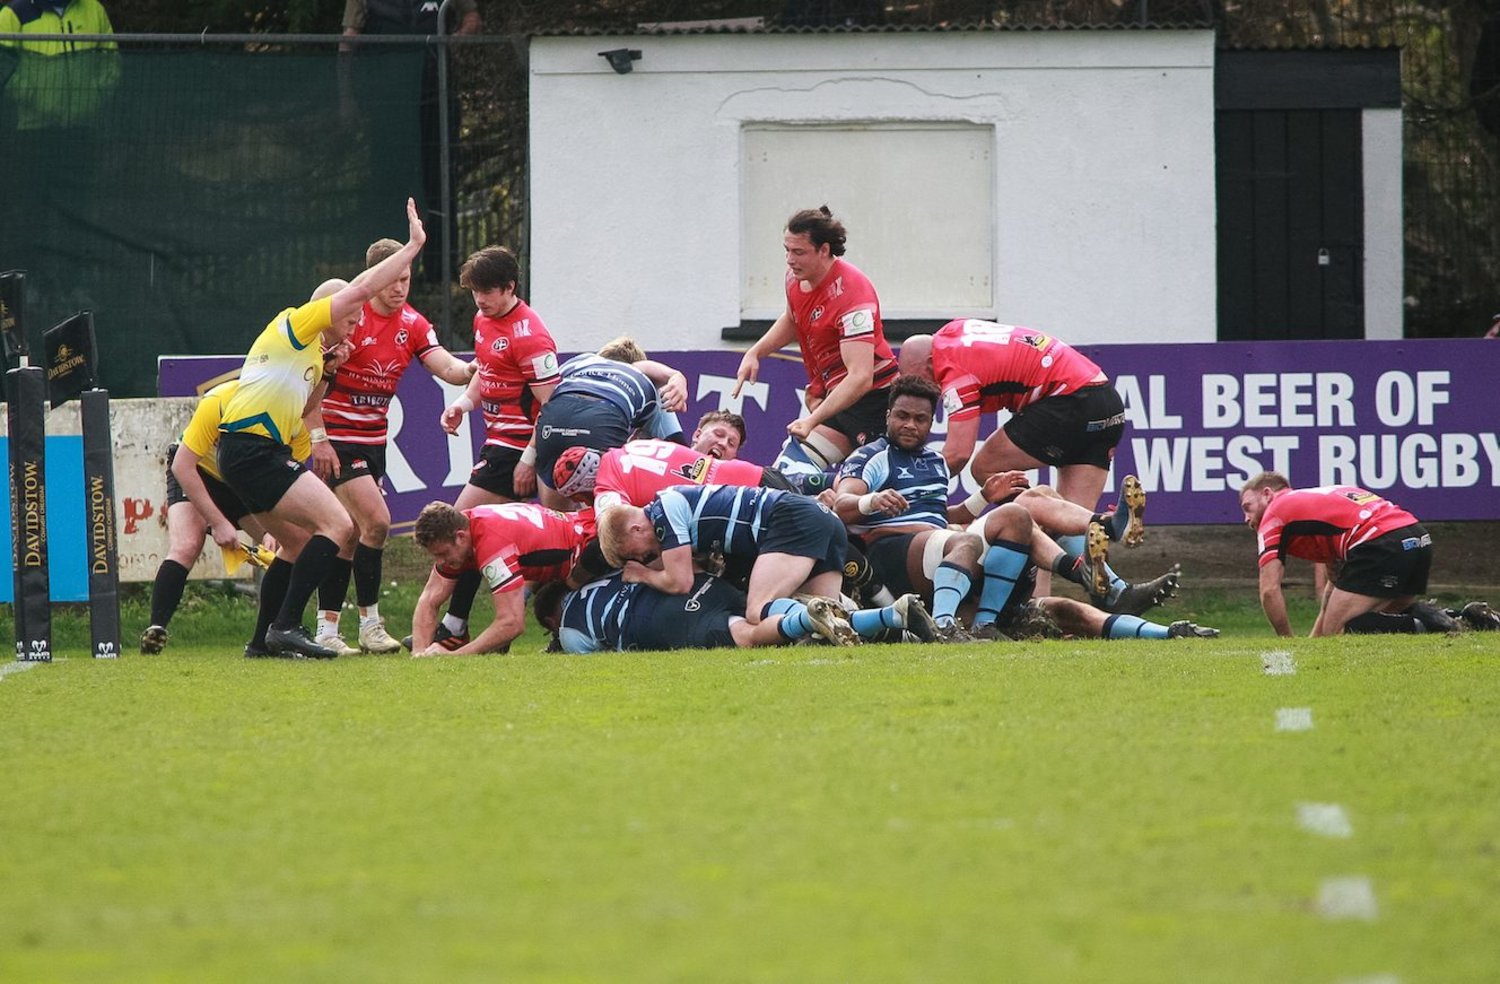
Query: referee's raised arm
(351, 299)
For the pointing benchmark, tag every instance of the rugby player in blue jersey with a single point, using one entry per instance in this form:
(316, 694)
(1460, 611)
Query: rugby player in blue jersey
(893, 492)
(612, 614)
(798, 547)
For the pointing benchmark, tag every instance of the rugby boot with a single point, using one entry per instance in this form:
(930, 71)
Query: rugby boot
(297, 641)
(154, 639)
(1432, 618)
(951, 631)
(254, 650)
(1033, 622)
(373, 638)
(442, 636)
(334, 641)
(1188, 630)
(1128, 524)
(1094, 564)
(915, 617)
(989, 632)
(1136, 599)
(827, 620)
(1480, 616)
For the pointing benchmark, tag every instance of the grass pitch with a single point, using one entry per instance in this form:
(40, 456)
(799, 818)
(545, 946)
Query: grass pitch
(1044, 812)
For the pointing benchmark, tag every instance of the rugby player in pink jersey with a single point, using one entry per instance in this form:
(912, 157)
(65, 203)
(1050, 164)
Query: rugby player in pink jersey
(349, 445)
(518, 370)
(507, 544)
(1381, 552)
(833, 314)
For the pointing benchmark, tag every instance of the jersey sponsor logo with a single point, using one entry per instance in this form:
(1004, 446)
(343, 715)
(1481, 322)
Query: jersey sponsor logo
(817, 312)
(1037, 341)
(861, 322)
(408, 316)
(952, 403)
(693, 603)
(697, 472)
(401, 337)
(523, 328)
(545, 364)
(836, 289)
(500, 344)
(308, 373)
(495, 573)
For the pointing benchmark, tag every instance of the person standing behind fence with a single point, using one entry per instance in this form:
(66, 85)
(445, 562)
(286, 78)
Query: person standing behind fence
(57, 84)
(280, 376)
(389, 335)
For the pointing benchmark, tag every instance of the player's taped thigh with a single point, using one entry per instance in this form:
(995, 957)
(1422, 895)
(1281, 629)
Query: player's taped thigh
(932, 551)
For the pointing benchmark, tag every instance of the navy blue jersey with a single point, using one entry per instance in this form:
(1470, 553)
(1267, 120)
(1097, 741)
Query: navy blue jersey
(623, 385)
(593, 617)
(920, 476)
(727, 518)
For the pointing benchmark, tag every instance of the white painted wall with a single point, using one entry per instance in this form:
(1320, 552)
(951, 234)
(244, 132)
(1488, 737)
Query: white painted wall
(1103, 168)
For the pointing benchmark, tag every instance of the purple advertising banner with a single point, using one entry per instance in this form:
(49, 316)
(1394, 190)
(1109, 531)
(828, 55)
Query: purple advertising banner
(1415, 421)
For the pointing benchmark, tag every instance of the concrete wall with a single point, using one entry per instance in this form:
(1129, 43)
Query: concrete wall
(1103, 168)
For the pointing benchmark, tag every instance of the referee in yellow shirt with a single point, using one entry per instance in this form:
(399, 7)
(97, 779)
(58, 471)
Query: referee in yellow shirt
(278, 385)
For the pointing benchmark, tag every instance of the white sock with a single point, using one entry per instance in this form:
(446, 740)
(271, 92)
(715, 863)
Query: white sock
(328, 623)
(455, 625)
(369, 615)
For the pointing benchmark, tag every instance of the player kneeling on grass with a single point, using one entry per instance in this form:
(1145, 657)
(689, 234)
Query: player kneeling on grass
(796, 543)
(612, 614)
(509, 544)
(1382, 551)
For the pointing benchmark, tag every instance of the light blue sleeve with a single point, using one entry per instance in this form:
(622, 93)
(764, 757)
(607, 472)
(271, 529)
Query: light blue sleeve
(679, 517)
(574, 641)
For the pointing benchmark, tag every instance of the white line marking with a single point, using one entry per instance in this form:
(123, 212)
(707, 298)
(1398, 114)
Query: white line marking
(1347, 898)
(1327, 819)
(1294, 719)
(1278, 662)
(16, 667)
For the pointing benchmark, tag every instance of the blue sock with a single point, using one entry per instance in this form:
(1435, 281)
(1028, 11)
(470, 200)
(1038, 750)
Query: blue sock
(1132, 627)
(950, 586)
(869, 622)
(794, 624)
(1073, 546)
(1004, 563)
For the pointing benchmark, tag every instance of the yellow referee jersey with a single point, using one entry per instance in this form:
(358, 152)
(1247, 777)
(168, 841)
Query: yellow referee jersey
(201, 436)
(283, 366)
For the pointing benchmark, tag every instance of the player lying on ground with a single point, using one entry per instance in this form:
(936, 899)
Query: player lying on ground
(1382, 552)
(350, 454)
(796, 543)
(613, 614)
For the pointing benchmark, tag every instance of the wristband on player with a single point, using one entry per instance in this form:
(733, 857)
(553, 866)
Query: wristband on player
(867, 503)
(976, 503)
(528, 457)
(464, 403)
(318, 435)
